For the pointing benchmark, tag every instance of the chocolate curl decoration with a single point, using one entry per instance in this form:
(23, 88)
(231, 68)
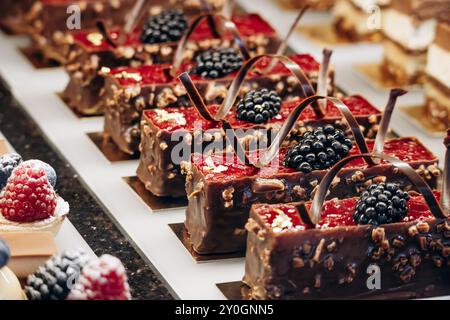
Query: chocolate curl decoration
(227, 25)
(385, 121)
(228, 8)
(139, 9)
(322, 81)
(445, 196)
(105, 33)
(237, 84)
(274, 147)
(283, 45)
(319, 198)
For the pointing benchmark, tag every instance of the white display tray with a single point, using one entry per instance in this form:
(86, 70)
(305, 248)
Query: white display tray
(149, 231)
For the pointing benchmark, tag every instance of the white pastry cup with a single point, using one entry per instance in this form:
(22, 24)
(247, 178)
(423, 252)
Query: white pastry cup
(52, 224)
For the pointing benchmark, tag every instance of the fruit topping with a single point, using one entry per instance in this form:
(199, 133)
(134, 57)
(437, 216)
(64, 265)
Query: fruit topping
(4, 253)
(7, 163)
(167, 26)
(28, 195)
(318, 149)
(380, 204)
(55, 280)
(102, 279)
(49, 171)
(217, 63)
(258, 106)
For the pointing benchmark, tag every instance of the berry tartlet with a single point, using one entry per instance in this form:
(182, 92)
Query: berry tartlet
(28, 202)
(289, 172)
(386, 244)
(72, 275)
(154, 43)
(10, 288)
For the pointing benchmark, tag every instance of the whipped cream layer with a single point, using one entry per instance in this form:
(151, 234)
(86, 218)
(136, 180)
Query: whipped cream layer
(438, 65)
(61, 210)
(412, 35)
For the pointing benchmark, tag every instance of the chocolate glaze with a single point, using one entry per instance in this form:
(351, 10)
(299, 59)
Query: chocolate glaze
(332, 263)
(216, 223)
(423, 9)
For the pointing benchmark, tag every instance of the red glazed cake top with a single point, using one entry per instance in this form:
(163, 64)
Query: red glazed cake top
(248, 25)
(158, 74)
(186, 118)
(217, 168)
(335, 213)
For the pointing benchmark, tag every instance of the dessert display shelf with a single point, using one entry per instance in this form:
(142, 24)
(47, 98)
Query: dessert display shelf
(36, 90)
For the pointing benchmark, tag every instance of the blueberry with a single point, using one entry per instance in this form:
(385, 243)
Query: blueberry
(7, 164)
(4, 253)
(49, 171)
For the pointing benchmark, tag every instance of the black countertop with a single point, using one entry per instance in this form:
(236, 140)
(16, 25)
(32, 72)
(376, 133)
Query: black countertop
(87, 214)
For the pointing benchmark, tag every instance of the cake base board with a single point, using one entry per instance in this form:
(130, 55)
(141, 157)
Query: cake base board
(75, 112)
(324, 35)
(36, 58)
(372, 74)
(153, 202)
(421, 120)
(109, 148)
(236, 290)
(182, 235)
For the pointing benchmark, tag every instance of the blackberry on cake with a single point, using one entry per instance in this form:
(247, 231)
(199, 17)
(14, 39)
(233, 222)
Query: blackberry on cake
(318, 149)
(258, 106)
(217, 63)
(7, 164)
(55, 280)
(167, 26)
(381, 203)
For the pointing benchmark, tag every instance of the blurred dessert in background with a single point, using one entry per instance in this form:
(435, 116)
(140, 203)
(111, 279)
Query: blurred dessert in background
(358, 20)
(409, 27)
(437, 76)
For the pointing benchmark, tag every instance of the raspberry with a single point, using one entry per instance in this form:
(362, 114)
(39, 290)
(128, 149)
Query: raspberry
(28, 195)
(102, 279)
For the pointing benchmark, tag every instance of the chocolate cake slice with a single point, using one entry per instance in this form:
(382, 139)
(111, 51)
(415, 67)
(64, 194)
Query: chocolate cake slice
(53, 21)
(290, 174)
(128, 91)
(387, 244)
(91, 52)
(183, 128)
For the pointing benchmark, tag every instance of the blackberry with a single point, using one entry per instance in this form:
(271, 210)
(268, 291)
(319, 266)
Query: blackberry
(318, 149)
(216, 63)
(4, 253)
(258, 106)
(7, 163)
(167, 26)
(55, 280)
(381, 203)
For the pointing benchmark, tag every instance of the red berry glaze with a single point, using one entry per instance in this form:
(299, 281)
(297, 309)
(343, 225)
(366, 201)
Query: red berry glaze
(102, 279)
(28, 195)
